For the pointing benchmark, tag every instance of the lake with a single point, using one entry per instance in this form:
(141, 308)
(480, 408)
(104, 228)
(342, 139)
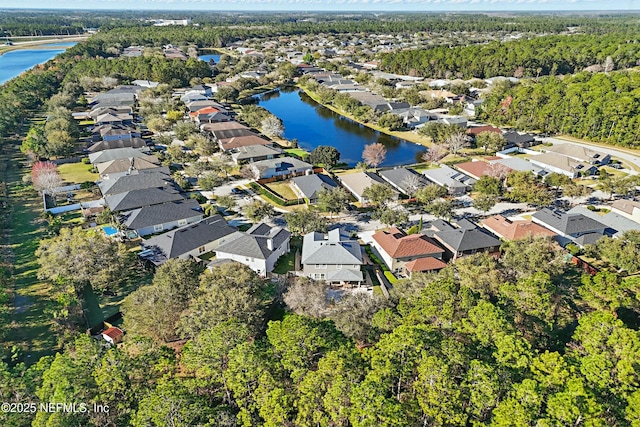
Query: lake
(313, 124)
(206, 58)
(14, 62)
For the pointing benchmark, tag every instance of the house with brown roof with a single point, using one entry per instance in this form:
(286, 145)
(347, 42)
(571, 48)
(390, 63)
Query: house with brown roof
(627, 208)
(474, 131)
(514, 230)
(112, 335)
(398, 250)
(477, 169)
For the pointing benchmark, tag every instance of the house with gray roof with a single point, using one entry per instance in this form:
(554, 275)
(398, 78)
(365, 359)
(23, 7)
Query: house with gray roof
(333, 257)
(255, 153)
(135, 181)
(118, 153)
(519, 164)
(358, 182)
(117, 143)
(162, 217)
(258, 248)
(570, 227)
(189, 241)
(405, 180)
(308, 186)
(120, 166)
(454, 181)
(280, 166)
(143, 197)
(554, 162)
(616, 224)
(466, 240)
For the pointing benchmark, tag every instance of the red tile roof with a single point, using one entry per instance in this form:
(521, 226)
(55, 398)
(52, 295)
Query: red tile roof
(425, 264)
(479, 129)
(514, 230)
(205, 110)
(475, 169)
(399, 245)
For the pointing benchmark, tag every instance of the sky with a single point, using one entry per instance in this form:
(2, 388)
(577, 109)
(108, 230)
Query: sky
(331, 5)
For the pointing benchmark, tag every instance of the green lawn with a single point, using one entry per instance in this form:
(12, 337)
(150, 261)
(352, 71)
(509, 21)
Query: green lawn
(76, 173)
(297, 152)
(31, 322)
(287, 262)
(283, 188)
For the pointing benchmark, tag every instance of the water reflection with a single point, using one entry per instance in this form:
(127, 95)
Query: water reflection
(312, 125)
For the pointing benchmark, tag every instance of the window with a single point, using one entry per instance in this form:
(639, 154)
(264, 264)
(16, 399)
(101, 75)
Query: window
(158, 227)
(201, 249)
(182, 222)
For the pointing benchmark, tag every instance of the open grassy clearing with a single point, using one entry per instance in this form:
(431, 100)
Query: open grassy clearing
(76, 173)
(283, 188)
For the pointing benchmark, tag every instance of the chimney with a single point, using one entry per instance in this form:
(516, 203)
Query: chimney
(270, 244)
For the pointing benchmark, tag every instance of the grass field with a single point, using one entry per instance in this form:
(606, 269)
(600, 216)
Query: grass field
(283, 188)
(31, 322)
(298, 152)
(76, 173)
(287, 262)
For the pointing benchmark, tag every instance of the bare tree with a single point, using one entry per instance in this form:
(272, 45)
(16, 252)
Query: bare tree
(308, 297)
(374, 154)
(272, 127)
(435, 153)
(412, 184)
(456, 141)
(45, 177)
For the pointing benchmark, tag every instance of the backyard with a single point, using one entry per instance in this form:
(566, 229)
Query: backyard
(282, 188)
(76, 173)
(287, 262)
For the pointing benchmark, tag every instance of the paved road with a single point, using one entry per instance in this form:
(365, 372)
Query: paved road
(631, 158)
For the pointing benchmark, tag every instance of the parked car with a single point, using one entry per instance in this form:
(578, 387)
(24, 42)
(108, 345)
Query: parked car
(616, 165)
(238, 191)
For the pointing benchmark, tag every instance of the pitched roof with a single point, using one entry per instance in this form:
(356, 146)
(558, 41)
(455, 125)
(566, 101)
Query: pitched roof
(114, 333)
(475, 169)
(123, 165)
(243, 141)
(345, 275)
(255, 242)
(577, 152)
(400, 178)
(221, 126)
(398, 244)
(514, 230)
(117, 143)
(476, 130)
(251, 151)
(333, 248)
(118, 153)
(625, 205)
(616, 223)
(359, 181)
(143, 197)
(310, 185)
(160, 214)
(568, 223)
(138, 181)
(561, 162)
(448, 177)
(180, 241)
(466, 239)
(281, 164)
(425, 264)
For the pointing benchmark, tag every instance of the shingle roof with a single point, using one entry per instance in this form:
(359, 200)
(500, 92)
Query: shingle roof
(310, 185)
(254, 243)
(360, 181)
(249, 138)
(616, 223)
(123, 165)
(625, 205)
(251, 151)
(118, 153)
(132, 182)
(161, 214)
(568, 223)
(333, 248)
(449, 177)
(180, 241)
(425, 264)
(465, 240)
(117, 143)
(514, 230)
(345, 275)
(281, 164)
(477, 169)
(400, 178)
(400, 245)
(139, 198)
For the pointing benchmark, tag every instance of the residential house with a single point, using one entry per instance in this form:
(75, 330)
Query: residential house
(162, 217)
(519, 164)
(114, 118)
(358, 182)
(522, 140)
(562, 164)
(616, 223)
(135, 199)
(254, 153)
(627, 208)
(258, 248)
(570, 227)
(478, 168)
(308, 186)
(113, 335)
(474, 131)
(118, 153)
(123, 166)
(397, 249)
(138, 181)
(145, 83)
(454, 120)
(455, 182)
(232, 143)
(516, 229)
(333, 257)
(117, 143)
(376, 102)
(414, 117)
(111, 132)
(466, 240)
(280, 166)
(405, 180)
(580, 153)
(189, 241)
